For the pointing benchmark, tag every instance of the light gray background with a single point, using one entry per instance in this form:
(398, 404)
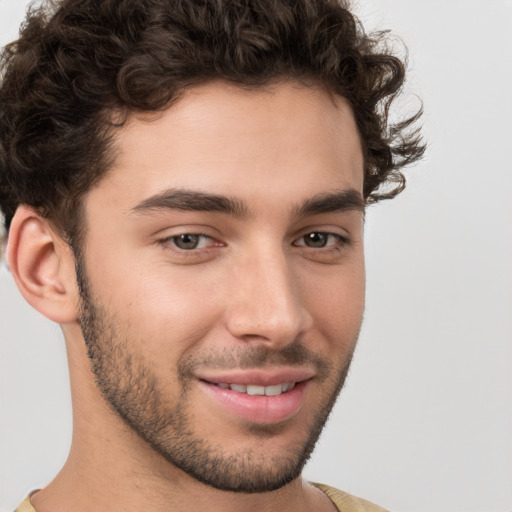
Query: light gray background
(425, 421)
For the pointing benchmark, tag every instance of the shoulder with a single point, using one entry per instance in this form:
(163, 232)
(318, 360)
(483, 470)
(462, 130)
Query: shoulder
(25, 506)
(346, 502)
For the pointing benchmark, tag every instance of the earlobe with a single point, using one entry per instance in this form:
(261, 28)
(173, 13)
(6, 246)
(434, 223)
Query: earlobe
(42, 265)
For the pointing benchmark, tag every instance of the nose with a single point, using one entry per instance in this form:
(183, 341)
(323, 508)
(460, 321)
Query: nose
(266, 304)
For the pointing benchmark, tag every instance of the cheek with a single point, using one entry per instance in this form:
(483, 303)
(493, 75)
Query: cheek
(337, 305)
(166, 309)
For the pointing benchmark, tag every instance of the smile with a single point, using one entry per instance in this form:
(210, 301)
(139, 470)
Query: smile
(256, 402)
(253, 389)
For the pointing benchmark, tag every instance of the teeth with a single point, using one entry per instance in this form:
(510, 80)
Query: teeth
(252, 389)
(238, 387)
(255, 390)
(275, 390)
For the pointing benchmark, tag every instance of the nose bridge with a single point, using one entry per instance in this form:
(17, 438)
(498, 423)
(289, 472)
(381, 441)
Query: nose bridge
(267, 301)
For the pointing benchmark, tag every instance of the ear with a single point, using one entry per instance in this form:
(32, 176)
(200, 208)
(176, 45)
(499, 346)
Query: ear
(42, 265)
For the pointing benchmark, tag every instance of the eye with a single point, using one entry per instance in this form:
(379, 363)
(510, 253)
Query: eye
(189, 241)
(320, 240)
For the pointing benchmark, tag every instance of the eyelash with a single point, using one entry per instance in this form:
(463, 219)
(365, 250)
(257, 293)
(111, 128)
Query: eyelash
(340, 242)
(170, 242)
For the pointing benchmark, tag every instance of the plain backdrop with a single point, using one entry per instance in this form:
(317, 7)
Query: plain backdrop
(425, 421)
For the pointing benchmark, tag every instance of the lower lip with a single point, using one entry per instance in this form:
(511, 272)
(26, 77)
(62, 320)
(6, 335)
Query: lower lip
(258, 408)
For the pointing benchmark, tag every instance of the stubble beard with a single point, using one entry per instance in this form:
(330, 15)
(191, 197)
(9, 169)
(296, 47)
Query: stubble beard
(132, 390)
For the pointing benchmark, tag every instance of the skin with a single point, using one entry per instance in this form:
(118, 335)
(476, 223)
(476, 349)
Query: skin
(272, 289)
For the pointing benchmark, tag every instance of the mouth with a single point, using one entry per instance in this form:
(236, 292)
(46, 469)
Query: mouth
(257, 396)
(256, 390)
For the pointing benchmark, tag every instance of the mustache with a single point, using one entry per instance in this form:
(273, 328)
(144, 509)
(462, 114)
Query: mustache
(294, 354)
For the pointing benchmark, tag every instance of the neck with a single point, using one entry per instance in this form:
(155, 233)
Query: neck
(102, 482)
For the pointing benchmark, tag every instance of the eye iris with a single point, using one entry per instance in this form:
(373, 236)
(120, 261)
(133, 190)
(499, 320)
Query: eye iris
(187, 241)
(316, 239)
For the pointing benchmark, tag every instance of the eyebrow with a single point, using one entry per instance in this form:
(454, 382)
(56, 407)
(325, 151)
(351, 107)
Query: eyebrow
(338, 201)
(191, 200)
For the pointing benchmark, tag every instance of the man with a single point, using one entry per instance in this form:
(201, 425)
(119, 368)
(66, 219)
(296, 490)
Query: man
(184, 185)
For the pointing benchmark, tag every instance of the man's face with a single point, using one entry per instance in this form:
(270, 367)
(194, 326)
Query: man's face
(223, 278)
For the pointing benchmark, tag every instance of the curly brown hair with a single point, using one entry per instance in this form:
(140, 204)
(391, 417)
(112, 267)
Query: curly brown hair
(81, 67)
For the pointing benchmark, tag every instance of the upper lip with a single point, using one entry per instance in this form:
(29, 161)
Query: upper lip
(258, 377)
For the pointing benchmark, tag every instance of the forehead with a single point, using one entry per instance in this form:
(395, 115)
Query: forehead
(220, 137)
